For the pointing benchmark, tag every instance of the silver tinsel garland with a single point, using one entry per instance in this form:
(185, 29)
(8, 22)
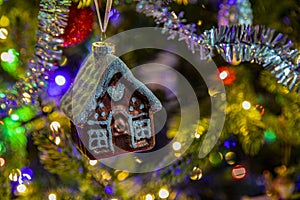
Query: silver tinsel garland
(256, 44)
(53, 16)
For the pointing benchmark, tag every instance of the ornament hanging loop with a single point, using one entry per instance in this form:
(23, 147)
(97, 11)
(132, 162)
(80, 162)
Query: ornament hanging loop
(103, 27)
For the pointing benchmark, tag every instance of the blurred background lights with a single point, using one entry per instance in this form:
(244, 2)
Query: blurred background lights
(7, 57)
(4, 21)
(57, 140)
(14, 175)
(230, 158)
(223, 75)
(176, 146)
(21, 188)
(93, 162)
(196, 174)
(246, 105)
(15, 117)
(52, 196)
(149, 197)
(114, 15)
(3, 33)
(2, 162)
(122, 175)
(60, 80)
(163, 193)
(54, 126)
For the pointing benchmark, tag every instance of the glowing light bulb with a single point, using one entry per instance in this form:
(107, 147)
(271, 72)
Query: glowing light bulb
(15, 117)
(57, 140)
(3, 33)
(148, 197)
(54, 126)
(2, 162)
(223, 75)
(21, 188)
(93, 162)
(7, 57)
(176, 146)
(52, 196)
(197, 135)
(163, 193)
(60, 80)
(246, 105)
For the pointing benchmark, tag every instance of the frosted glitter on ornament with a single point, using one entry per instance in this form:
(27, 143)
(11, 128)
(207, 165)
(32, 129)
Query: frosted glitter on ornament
(239, 172)
(196, 174)
(14, 175)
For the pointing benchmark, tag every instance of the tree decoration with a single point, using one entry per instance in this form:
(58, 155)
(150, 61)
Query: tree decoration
(115, 115)
(79, 26)
(234, 12)
(52, 21)
(235, 43)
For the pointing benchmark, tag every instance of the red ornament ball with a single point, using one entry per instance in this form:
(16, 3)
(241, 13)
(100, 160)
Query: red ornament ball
(239, 172)
(227, 75)
(80, 23)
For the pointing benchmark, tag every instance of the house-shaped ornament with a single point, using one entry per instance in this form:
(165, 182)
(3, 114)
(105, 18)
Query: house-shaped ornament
(111, 111)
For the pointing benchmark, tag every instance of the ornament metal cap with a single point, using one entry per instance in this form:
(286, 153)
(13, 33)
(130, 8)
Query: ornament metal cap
(103, 48)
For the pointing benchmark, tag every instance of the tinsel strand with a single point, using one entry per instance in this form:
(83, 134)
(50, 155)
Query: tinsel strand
(53, 16)
(246, 43)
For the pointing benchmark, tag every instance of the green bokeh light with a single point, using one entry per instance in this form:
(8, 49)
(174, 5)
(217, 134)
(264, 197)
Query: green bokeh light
(270, 136)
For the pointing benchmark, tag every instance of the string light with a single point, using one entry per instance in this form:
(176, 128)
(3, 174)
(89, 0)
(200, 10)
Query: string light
(54, 126)
(2, 162)
(57, 140)
(21, 188)
(14, 174)
(176, 146)
(3, 33)
(93, 162)
(15, 117)
(52, 196)
(246, 105)
(149, 197)
(163, 193)
(60, 80)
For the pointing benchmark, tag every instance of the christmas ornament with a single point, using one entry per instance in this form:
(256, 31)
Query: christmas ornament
(115, 114)
(111, 111)
(235, 12)
(238, 172)
(79, 26)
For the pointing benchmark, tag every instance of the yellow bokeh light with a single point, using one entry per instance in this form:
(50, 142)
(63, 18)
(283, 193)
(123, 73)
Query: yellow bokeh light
(4, 21)
(122, 175)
